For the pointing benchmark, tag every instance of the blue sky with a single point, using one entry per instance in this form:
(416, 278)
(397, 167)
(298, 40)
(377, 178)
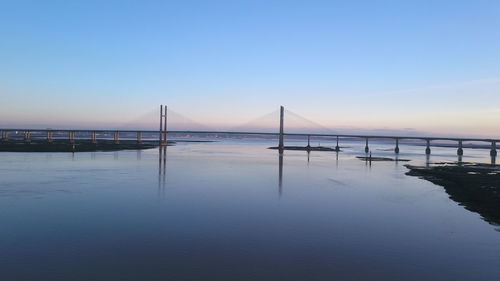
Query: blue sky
(428, 65)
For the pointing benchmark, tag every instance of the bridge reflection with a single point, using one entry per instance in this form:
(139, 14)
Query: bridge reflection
(280, 173)
(162, 170)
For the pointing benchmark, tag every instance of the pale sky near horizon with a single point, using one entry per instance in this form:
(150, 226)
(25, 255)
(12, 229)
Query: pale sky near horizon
(430, 66)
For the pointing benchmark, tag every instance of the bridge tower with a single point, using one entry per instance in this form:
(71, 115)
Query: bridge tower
(281, 145)
(163, 125)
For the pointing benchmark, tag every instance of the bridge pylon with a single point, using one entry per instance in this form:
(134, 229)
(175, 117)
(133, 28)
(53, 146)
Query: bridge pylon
(163, 125)
(281, 145)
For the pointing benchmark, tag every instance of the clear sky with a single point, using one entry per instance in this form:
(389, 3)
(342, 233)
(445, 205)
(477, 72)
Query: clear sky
(432, 66)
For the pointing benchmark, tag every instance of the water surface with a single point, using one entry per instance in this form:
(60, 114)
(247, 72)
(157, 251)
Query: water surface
(228, 211)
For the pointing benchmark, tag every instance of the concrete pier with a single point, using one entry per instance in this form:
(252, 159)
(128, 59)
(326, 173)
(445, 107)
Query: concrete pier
(5, 135)
(116, 137)
(50, 136)
(139, 137)
(460, 150)
(27, 136)
(428, 147)
(94, 137)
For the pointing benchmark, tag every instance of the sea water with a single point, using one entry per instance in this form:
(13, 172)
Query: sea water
(235, 210)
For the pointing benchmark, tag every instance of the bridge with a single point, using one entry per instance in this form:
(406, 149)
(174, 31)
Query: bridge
(160, 136)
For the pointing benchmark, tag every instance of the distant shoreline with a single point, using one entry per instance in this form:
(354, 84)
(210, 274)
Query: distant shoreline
(64, 145)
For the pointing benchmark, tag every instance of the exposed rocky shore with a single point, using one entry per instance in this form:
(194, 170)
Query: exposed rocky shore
(474, 186)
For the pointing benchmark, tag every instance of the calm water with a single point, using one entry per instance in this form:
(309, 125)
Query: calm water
(224, 211)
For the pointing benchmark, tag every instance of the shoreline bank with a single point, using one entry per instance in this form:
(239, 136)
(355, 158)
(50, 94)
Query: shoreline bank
(77, 146)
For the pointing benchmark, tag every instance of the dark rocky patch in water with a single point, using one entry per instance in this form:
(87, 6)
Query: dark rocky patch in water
(307, 148)
(174, 141)
(474, 186)
(380, 159)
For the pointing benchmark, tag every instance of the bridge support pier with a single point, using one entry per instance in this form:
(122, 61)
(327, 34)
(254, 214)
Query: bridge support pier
(428, 147)
(396, 149)
(72, 137)
(116, 137)
(493, 151)
(308, 141)
(49, 136)
(139, 137)
(366, 146)
(460, 150)
(94, 137)
(5, 135)
(27, 136)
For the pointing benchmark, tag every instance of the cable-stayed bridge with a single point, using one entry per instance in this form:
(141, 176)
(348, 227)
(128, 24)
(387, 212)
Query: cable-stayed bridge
(275, 122)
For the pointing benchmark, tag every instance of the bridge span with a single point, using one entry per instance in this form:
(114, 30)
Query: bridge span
(94, 135)
(75, 135)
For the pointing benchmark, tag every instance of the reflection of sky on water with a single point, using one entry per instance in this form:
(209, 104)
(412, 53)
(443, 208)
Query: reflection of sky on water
(221, 211)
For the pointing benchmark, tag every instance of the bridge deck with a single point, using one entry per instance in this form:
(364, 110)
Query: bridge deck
(430, 138)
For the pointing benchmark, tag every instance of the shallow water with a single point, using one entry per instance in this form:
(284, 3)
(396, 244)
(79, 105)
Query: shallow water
(227, 211)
